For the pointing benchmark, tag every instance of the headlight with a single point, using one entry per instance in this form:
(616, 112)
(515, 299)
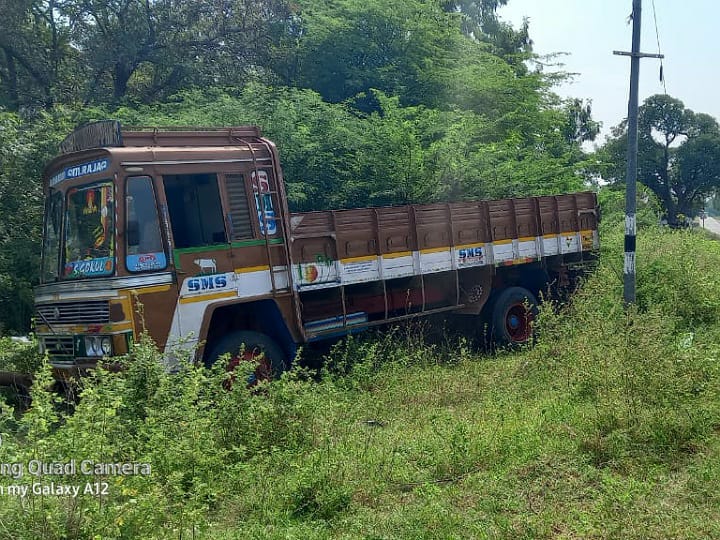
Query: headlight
(91, 346)
(98, 346)
(106, 346)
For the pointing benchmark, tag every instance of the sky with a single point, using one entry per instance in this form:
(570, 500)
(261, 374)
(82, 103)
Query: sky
(590, 30)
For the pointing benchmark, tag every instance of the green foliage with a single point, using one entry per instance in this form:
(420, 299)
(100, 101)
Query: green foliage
(587, 433)
(199, 440)
(678, 155)
(612, 209)
(335, 156)
(680, 278)
(349, 47)
(21, 208)
(24, 148)
(649, 374)
(480, 21)
(34, 53)
(20, 356)
(103, 51)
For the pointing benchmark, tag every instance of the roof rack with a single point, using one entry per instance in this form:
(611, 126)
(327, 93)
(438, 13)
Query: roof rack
(109, 133)
(188, 136)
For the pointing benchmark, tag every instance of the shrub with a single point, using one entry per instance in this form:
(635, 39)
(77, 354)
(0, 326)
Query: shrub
(647, 375)
(19, 355)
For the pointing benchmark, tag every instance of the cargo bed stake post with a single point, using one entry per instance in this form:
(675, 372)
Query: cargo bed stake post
(416, 237)
(515, 243)
(632, 150)
(489, 236)
(454, 264)
(340, 267)
(540, 245)
(578, 224)
(378, 252)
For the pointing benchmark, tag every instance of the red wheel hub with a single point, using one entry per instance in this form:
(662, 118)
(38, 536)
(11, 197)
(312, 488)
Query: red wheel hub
(263, 371)
(518, 322)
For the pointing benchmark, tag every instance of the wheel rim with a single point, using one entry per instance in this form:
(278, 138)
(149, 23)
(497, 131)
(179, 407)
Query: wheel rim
(263, 371)
(518, 322)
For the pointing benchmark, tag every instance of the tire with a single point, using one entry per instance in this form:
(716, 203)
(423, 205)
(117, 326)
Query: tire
(16, 396)
(255, 347)
(513, 312)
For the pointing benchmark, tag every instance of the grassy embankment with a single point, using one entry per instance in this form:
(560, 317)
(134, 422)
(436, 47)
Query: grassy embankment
(607, 428)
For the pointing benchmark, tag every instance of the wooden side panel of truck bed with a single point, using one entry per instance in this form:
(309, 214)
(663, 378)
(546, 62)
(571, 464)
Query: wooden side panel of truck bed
(337, 247)
(369, 265)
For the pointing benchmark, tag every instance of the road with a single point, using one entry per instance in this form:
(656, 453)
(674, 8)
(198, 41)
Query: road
(712, 225)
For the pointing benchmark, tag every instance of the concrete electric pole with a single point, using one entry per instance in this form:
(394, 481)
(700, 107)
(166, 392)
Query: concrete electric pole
(631, 187)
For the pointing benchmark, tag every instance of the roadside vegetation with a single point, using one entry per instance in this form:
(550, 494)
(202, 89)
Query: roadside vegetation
(607, 428)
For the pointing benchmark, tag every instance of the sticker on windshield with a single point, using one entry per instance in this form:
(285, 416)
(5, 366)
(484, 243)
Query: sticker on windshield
(89, 238)
(146, 261)
(94, 267)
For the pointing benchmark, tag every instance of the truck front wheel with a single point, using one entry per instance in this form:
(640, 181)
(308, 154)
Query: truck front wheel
(514, 311)
(249, 346)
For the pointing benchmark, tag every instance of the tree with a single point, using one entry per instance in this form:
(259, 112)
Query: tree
(152, 48)
(60, 51)
(580, 126)
(697, 171)
(678, 154)
(349, 47)
(24, 148)
(34, 54)
(480, 22)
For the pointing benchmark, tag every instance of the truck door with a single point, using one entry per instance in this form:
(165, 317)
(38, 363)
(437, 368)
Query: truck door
(146, 258)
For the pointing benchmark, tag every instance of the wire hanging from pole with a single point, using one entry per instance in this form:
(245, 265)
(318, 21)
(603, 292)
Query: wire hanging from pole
(657, 36)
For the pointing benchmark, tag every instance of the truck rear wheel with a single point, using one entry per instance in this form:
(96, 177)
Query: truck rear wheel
(514, 311)
(249, 346)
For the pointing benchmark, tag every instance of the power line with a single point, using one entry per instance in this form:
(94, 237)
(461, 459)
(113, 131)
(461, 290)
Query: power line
(657, 36)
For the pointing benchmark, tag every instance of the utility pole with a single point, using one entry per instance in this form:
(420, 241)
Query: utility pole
(631, 177)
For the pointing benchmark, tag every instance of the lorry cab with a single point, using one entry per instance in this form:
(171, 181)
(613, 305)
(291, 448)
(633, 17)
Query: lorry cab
(144, 229)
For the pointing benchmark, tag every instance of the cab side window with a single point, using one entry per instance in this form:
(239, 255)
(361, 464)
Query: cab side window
(144, 247)
(195, 211)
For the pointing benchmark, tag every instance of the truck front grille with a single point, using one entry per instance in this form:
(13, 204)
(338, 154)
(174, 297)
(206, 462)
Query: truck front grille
(89, 312)
(57, 345)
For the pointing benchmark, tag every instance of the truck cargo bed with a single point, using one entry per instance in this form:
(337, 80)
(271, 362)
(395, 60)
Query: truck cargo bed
(330, 248)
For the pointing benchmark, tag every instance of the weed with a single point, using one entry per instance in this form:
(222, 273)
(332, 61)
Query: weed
(608, 427)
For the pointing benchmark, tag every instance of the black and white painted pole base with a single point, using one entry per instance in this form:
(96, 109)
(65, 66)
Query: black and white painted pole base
(629, 267)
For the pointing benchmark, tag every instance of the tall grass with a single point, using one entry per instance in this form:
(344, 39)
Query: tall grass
(606, 428)
(648, 376)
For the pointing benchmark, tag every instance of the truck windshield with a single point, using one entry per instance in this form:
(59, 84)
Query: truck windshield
(51, 237)
(89, 226)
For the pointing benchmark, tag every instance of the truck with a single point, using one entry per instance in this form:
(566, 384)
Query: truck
(186, 234)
